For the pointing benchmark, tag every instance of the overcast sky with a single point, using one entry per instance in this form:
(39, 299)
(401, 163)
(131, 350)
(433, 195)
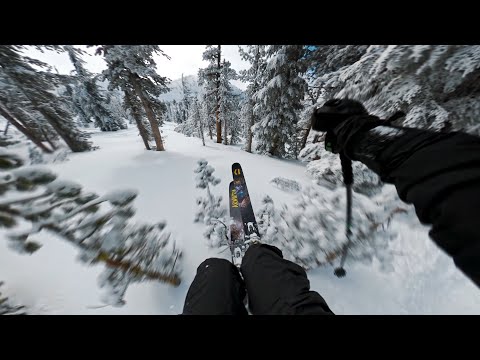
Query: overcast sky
(186, 59)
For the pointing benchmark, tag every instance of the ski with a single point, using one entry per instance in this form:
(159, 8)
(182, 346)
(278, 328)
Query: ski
(250, 227)
(237, 238)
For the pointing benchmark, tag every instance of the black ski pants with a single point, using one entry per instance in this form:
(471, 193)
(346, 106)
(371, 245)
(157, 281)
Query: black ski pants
(275, 286)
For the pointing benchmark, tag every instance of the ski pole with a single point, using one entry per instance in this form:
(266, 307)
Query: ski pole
(348, 181)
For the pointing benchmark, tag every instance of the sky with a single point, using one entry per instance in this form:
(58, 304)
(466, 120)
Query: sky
(186, 59)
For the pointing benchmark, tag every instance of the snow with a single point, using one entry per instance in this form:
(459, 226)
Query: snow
(423, 280)
(288, 185)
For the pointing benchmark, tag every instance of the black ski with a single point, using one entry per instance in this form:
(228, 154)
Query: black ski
(250, 227)
(237, 236)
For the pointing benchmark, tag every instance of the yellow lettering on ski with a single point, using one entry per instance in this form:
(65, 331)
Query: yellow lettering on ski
(234, 199)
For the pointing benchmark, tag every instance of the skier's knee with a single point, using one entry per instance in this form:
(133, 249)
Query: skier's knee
(256, 249)
(215, 263)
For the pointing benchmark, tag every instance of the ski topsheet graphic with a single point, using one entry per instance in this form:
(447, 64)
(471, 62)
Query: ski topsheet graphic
(250, 226)
(243, 226)
(237, 236)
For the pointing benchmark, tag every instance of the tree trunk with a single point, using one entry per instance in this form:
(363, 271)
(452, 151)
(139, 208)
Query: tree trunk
(24, 130)
(210, 132)
(148, 110)
(225, 132)
(74, 144)
(201, 127)
(217, 111)
(252, 115)
(250, 132)
(138, 120)
(305, 137)
(274, 146)
(50, 142)
(56, 123)
(6, 128)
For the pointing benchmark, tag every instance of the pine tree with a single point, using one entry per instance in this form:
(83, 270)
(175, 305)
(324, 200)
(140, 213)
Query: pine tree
(236, 126)
(210, 79)
(256, 56)
(26, 120)
(311, 231)
(133, 105)
(193, 126)
(115, 105)
(209, 208)
(227, 101)
(186, 100)
(132, 69)
(198, 119)
(279, 100)
(88, 98)
(99, 227)
(434, 85)
(37, 88)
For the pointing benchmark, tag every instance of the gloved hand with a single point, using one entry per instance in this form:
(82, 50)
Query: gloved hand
(342, 119)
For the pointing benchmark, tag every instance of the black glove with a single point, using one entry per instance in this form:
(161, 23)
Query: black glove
(342, 119)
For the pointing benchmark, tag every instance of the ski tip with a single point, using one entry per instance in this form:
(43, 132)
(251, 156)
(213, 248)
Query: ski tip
(236, 170)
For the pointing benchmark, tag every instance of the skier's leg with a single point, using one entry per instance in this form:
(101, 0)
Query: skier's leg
(278, 286)
(217, 289)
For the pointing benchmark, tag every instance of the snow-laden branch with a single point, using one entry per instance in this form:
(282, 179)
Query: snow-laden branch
(99, 227)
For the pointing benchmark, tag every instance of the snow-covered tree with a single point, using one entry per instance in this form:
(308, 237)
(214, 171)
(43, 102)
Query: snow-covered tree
(37, 88)
(132, 69)
(267, 219)
(198, 119)
(193, 126)
(186, 100)
(320, 61)
(227, 101)
(434, 85)
(311, 232)
(209, 208)
(209, 78)
(88, 98)
(100, 227)
(116, 107)
(256, 56)
(279, 100)
(236, 127)
(31, 124)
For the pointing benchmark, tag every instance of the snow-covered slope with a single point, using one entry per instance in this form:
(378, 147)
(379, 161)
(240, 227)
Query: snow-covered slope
(51, 281)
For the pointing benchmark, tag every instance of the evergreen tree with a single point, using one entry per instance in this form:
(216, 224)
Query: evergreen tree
(209, 208)
(227, 101)
(311, 232)
(210, 79)
(132, 69)
(186, 100)
(198, 119)
(256, 56)
(434, 85)
(99, 227)
(279, 100)
(88, 98)
(38, 89)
